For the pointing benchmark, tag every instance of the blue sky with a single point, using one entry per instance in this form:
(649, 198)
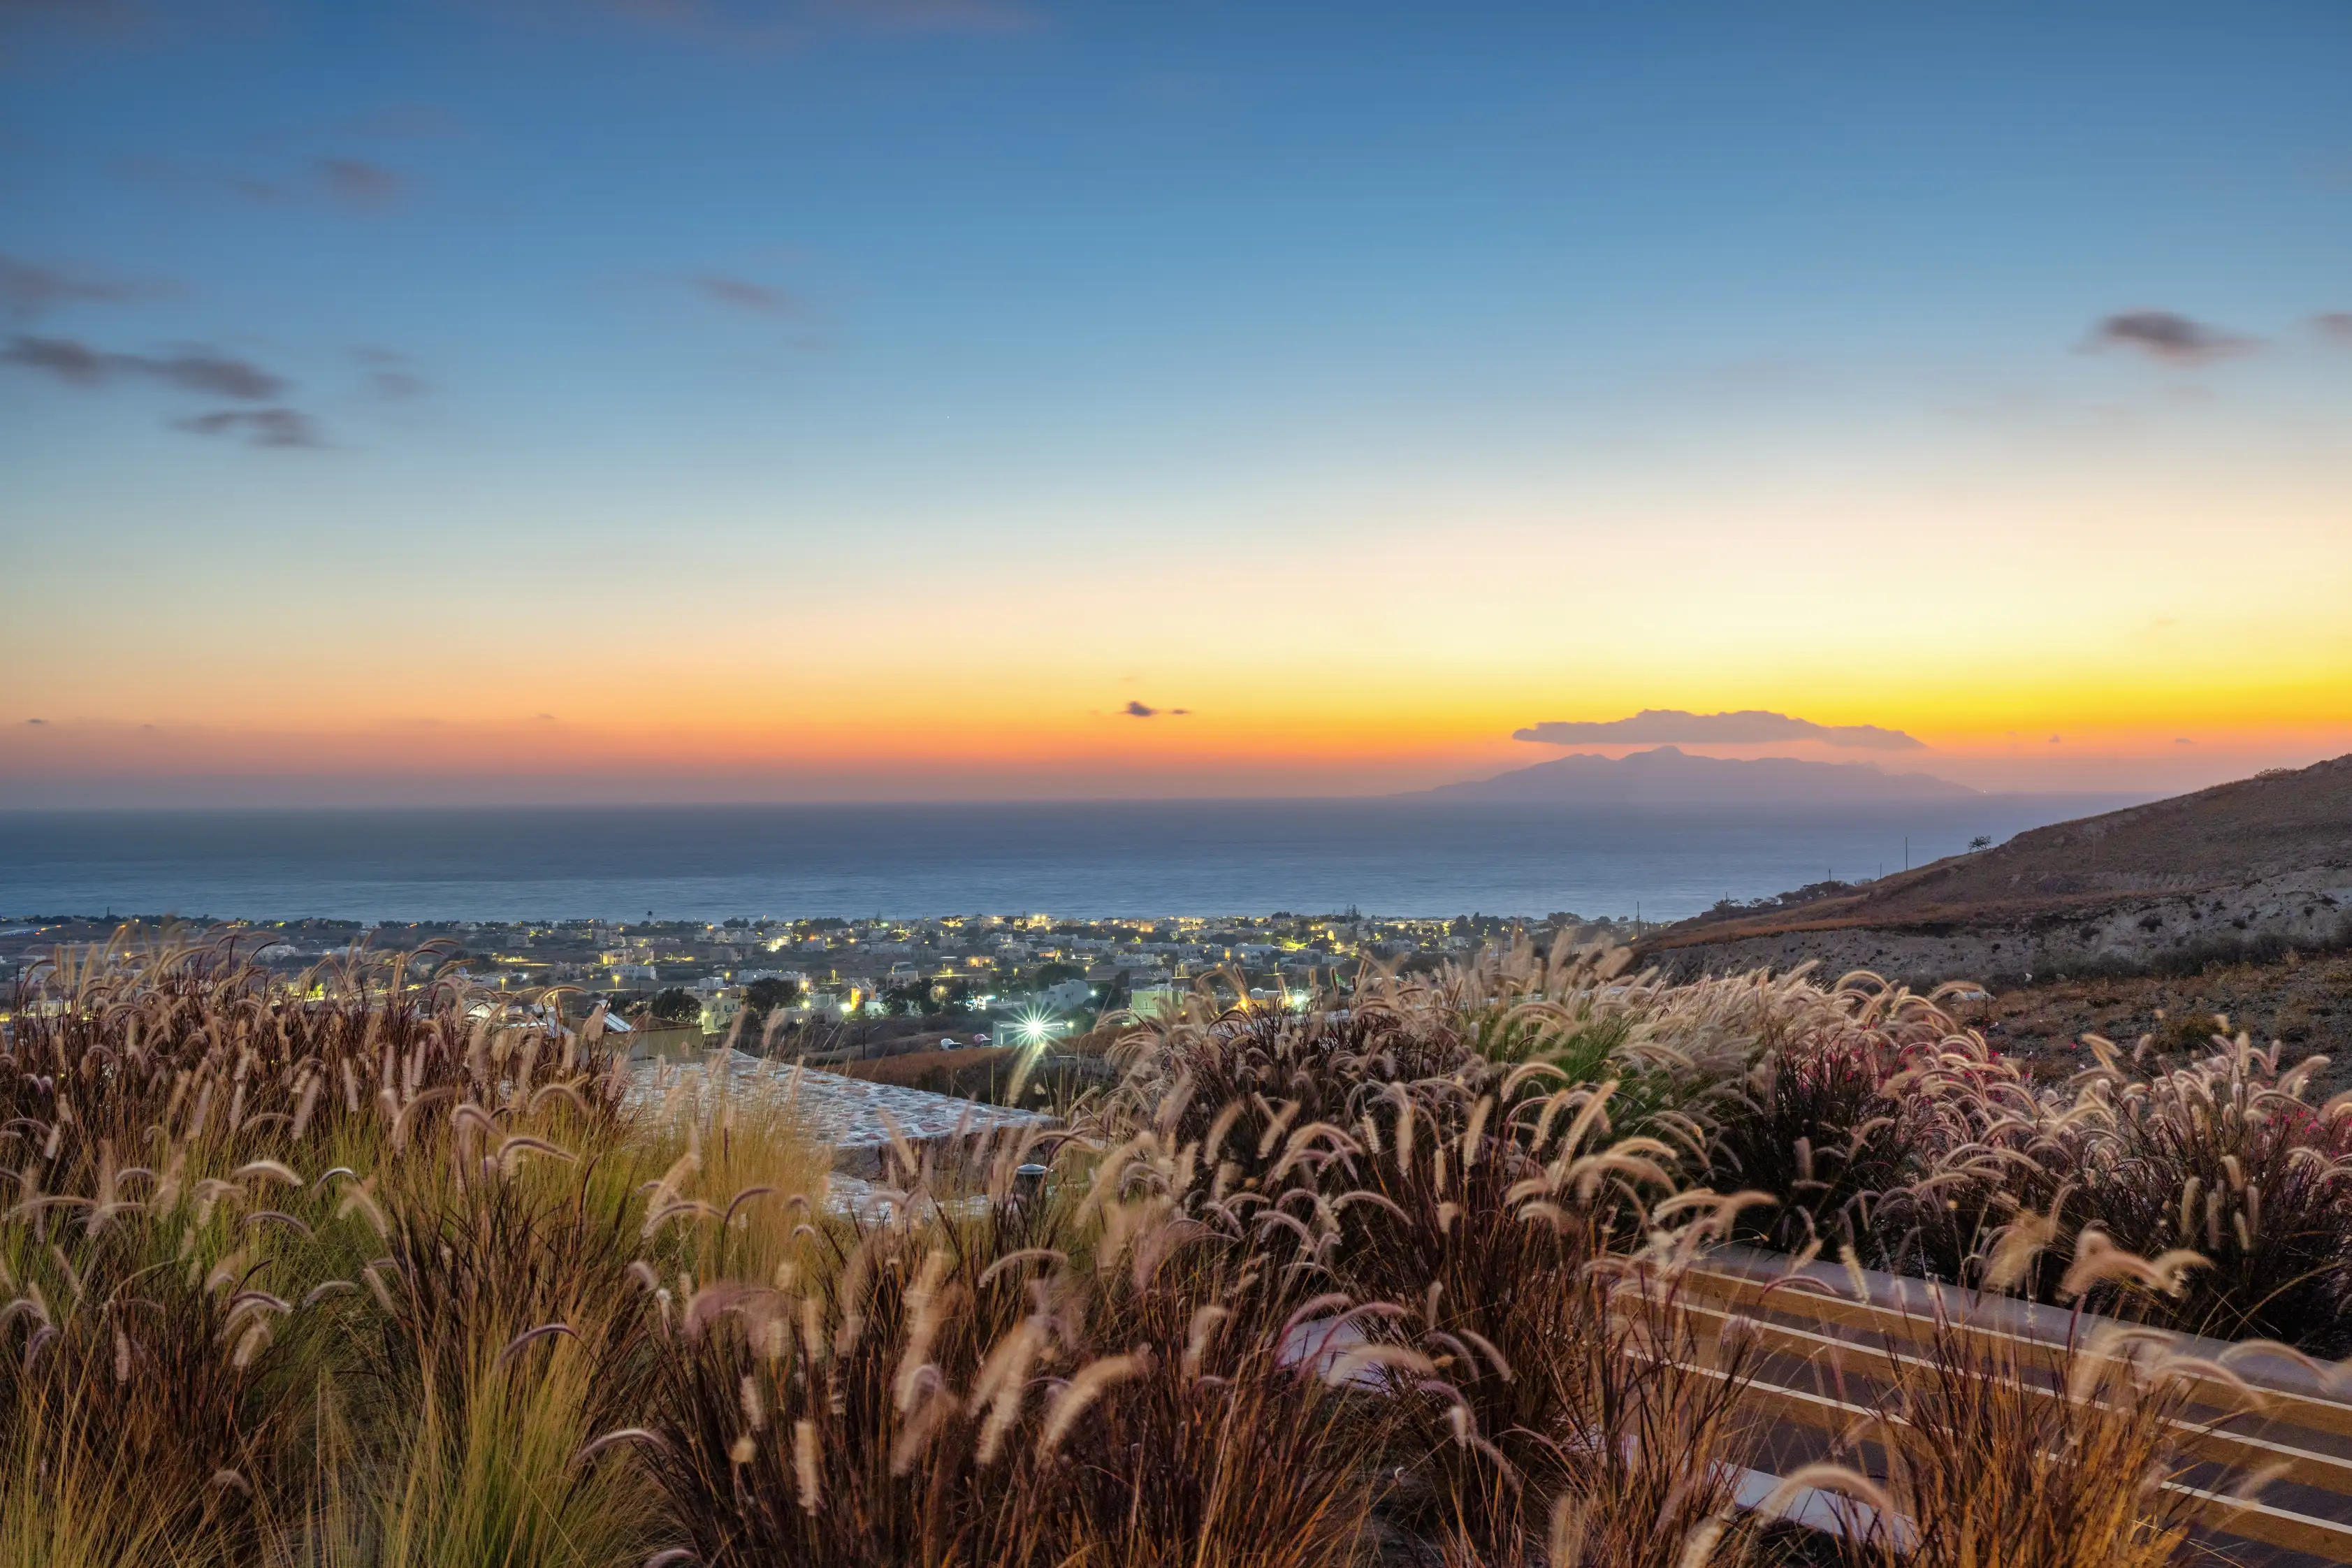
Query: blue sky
(828, 327)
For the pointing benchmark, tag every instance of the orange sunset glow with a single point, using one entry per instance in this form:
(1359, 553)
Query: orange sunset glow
(805, 503)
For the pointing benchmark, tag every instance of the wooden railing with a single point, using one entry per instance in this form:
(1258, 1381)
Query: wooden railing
(1824, 1334)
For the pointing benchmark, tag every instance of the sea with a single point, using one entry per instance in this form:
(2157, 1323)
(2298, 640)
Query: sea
(1393, 856)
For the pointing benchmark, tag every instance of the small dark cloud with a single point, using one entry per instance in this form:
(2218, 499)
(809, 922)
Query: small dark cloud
(1653, 726)
(2170, 338)
(260, 426)
(2336, 326)
(1138, 710)
(389, 376)
(28, 288)
(204, 370)
(352, 184)
(193, 368)
(61, 357)
(742, 294)
(190, 369)
(37, 723)
(355, 182)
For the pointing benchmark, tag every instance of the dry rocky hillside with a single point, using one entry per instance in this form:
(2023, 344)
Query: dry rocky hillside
(2249, 871)
(2303, 1006)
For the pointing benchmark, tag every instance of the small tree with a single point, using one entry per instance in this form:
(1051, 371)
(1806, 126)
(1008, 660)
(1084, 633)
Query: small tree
(763, 996)
(675, 1005)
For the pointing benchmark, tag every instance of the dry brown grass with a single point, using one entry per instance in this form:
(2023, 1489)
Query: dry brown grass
(345, 1273)
(1972, 1457)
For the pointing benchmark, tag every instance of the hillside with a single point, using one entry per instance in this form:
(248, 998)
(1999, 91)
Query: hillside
(1669, 775)
(2242, 867)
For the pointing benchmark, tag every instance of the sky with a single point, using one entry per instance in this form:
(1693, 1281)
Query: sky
(857, 399)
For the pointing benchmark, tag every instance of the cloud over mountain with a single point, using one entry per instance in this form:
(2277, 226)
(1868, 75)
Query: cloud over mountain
(1748, 726)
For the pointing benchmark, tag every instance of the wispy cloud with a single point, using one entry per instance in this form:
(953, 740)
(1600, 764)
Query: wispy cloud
(742, 294)
(29, 288)
(2336, 326)
(390, 375)
(1653, 726)
(356, 183)
(2171, 339)
(190, 369)
(260, 426)
(397, 386)
(1144, 711)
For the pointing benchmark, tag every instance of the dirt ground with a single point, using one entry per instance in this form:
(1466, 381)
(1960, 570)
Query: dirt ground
(2304, 1003)
(912, 1069)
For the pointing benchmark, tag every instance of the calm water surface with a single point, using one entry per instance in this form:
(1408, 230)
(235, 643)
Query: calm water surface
(1398, 857)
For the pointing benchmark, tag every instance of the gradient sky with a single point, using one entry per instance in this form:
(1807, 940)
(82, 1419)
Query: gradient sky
(548, 399)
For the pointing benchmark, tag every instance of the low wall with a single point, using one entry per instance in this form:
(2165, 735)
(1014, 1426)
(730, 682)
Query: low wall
(685, 1040)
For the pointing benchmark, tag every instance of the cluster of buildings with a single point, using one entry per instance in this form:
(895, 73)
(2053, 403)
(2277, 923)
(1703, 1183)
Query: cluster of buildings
(1022, 974)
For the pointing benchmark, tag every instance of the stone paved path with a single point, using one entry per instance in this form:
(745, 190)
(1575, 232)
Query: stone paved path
(854, 1115)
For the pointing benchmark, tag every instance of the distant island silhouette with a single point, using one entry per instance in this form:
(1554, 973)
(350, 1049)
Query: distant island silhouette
(1668, 775)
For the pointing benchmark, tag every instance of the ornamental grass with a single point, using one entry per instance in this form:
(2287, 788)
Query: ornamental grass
(366, 1266)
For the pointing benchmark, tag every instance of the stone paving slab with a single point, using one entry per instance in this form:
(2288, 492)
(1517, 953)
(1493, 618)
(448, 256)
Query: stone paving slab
(854, 1115)
(854, 1197)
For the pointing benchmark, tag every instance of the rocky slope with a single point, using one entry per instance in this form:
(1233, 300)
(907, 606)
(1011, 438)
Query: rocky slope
(2243, 870)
